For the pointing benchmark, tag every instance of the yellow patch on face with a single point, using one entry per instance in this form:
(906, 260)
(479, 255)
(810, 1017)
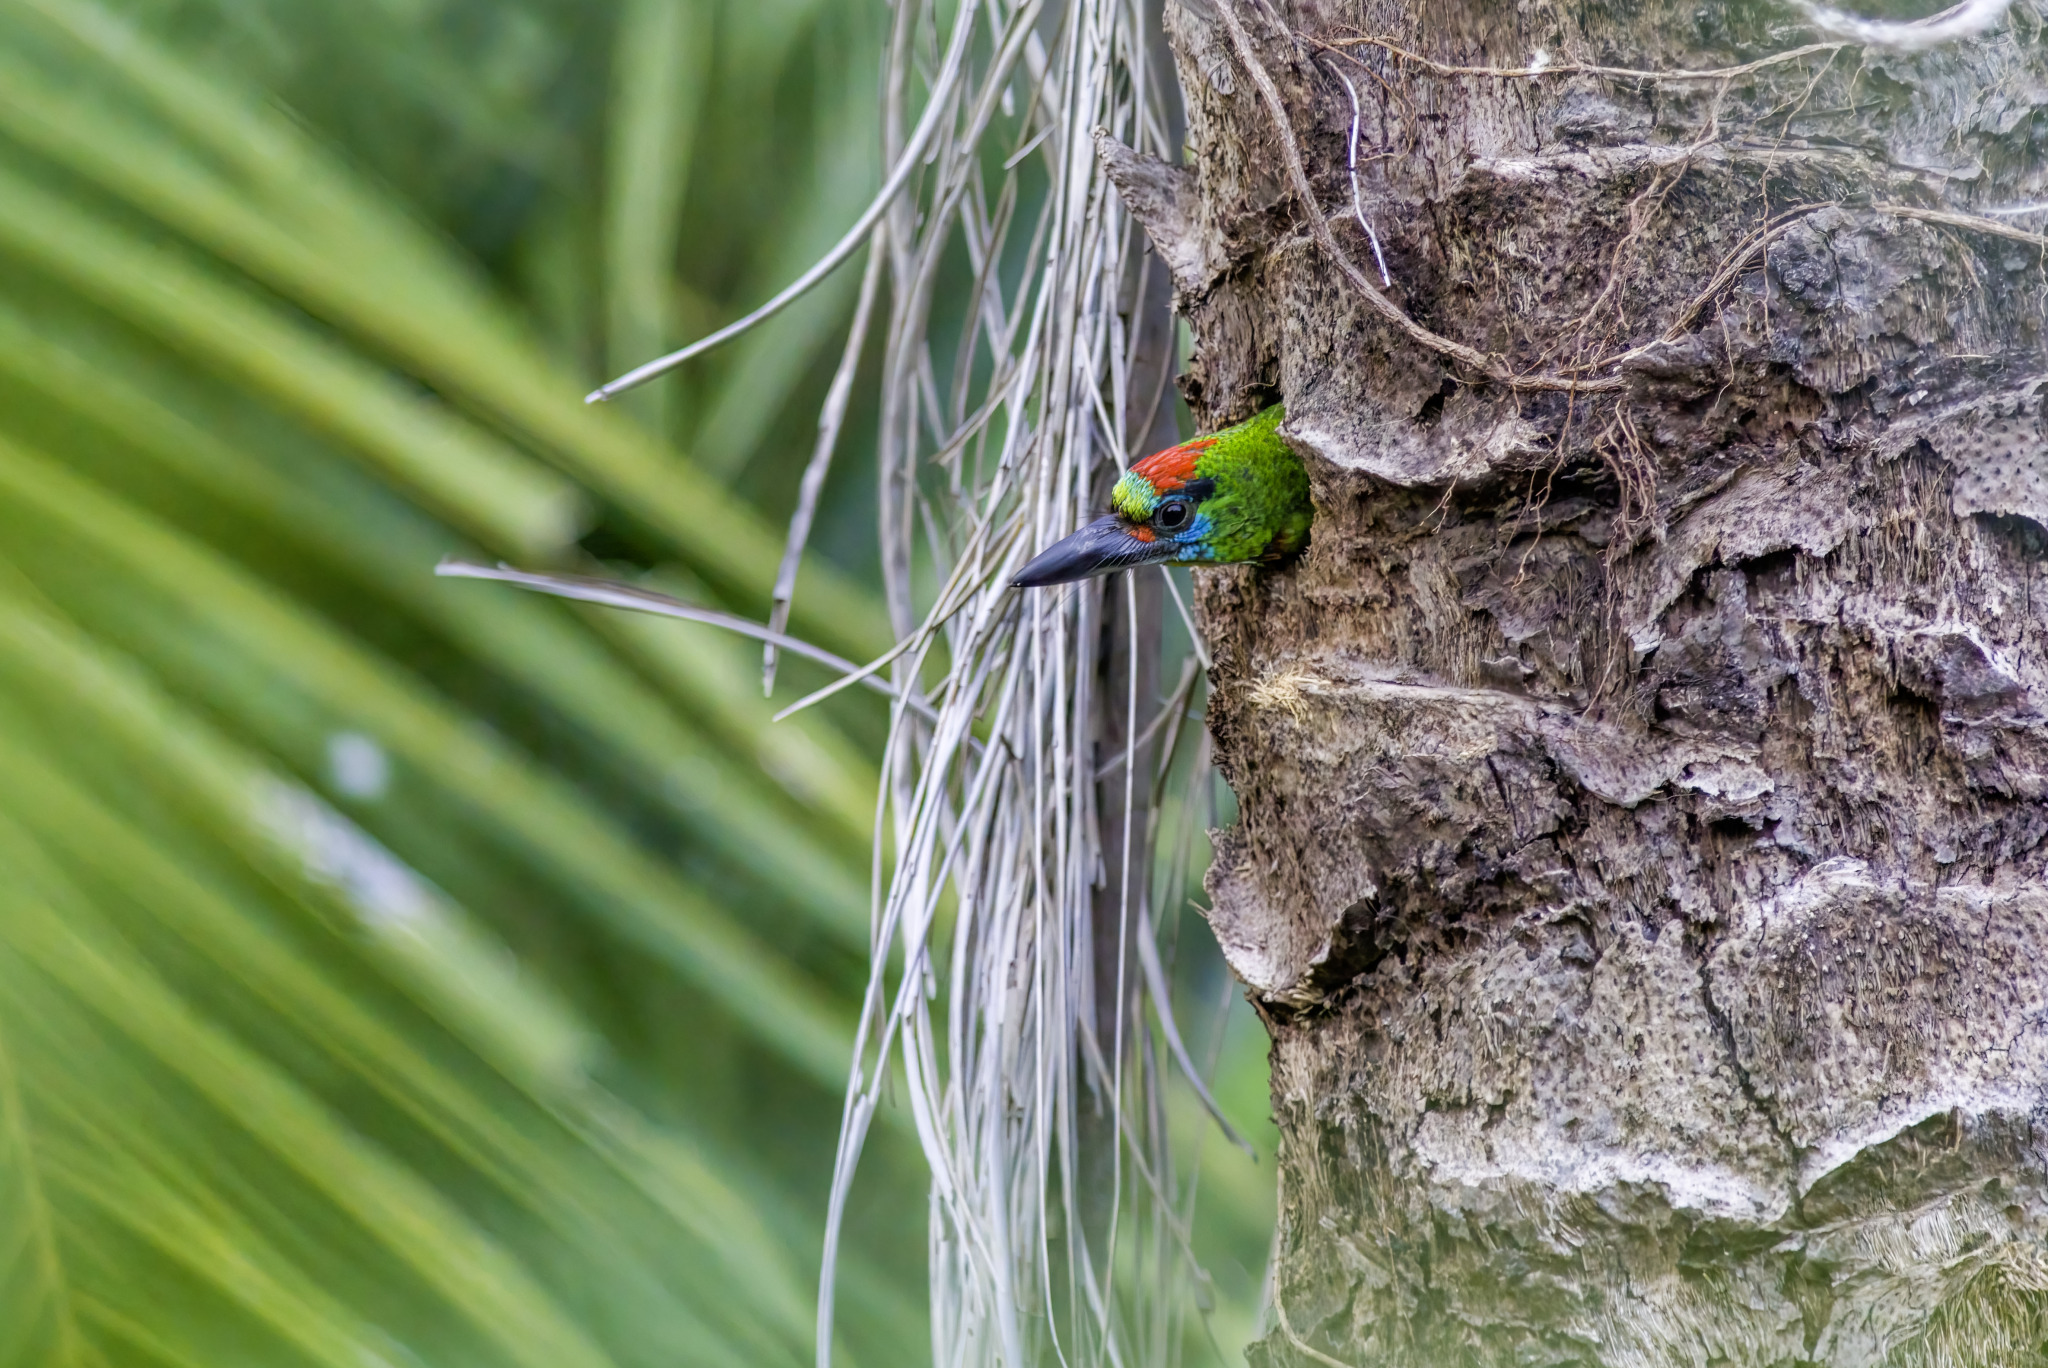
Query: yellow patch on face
(1134, 497)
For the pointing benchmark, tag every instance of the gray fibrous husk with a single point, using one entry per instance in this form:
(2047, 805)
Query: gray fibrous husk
(1018, 824)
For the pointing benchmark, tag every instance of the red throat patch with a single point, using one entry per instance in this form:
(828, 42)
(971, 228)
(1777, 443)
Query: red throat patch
(1170, 469)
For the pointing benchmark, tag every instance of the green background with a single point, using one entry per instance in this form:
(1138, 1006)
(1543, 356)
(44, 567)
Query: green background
(409, 971)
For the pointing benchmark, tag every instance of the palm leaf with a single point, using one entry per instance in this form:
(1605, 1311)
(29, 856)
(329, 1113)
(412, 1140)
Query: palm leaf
(464, 1057)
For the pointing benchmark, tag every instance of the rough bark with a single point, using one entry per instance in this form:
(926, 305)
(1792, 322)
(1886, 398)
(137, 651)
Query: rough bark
(1643, 792)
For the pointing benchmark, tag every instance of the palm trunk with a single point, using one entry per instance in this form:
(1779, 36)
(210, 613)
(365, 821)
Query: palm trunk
(1643, 787)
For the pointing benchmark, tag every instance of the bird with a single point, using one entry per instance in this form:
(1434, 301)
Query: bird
(1236, 495)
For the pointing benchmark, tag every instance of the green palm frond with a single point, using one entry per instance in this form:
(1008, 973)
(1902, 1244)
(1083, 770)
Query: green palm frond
(392, 970)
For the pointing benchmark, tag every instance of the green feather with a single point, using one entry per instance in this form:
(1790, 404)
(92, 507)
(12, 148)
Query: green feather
(1261, 507)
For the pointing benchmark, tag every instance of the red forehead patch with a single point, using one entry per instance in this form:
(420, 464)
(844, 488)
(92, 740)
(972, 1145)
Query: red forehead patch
(1173, 467)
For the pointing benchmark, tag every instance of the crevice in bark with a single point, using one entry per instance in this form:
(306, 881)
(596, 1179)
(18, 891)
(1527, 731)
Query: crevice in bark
(1732, 1053)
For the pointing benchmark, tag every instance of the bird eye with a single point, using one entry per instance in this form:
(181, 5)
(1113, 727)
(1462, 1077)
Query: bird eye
(1172, 515)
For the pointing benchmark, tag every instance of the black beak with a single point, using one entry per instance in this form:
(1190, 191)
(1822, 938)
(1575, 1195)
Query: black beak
(1102, 546)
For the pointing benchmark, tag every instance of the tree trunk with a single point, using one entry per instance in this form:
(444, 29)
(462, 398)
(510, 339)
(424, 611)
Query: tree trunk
(1644, 789)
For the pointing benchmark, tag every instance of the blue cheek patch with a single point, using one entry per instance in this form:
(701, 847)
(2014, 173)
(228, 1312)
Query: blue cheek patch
(1193, 540)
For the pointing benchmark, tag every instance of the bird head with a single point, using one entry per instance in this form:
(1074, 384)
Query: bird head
(1236, 495)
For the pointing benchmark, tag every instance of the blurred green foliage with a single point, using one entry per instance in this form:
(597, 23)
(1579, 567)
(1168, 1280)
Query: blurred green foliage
(397, 970)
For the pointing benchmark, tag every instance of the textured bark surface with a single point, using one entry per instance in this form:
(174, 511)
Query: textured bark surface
(1643, 793)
